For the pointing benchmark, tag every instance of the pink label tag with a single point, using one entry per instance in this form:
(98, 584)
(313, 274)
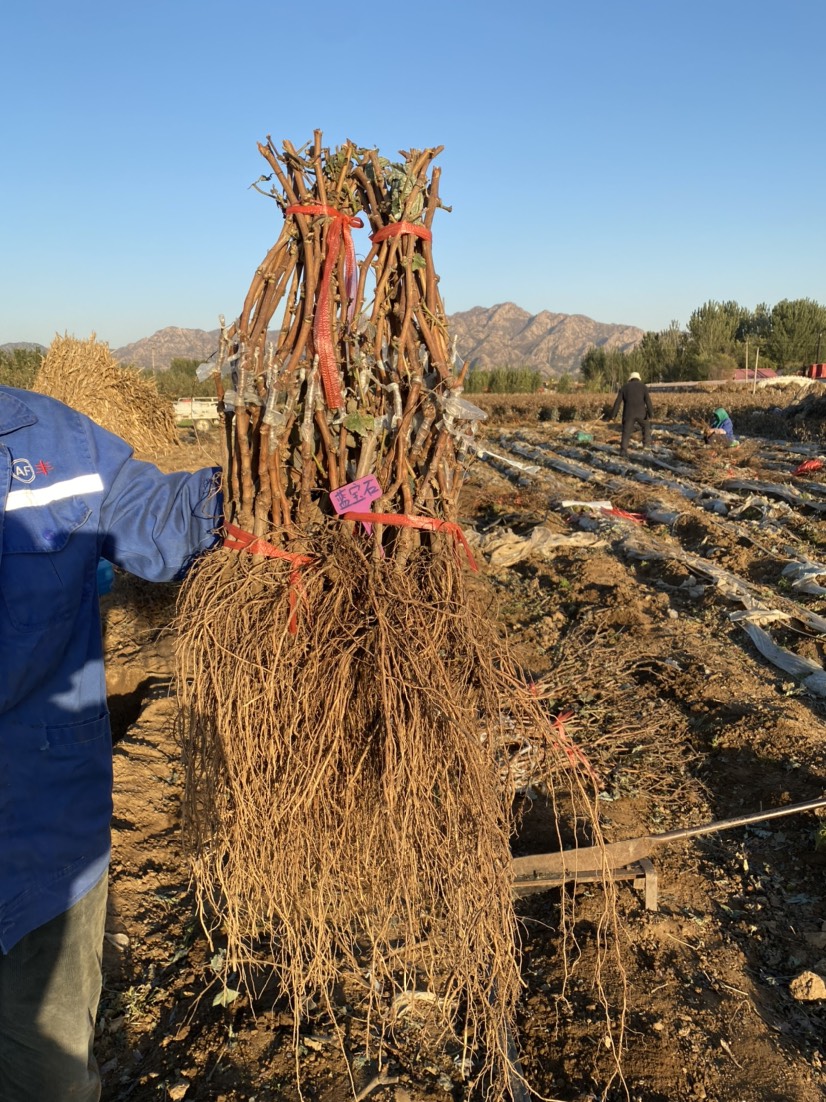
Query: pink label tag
(356, 497)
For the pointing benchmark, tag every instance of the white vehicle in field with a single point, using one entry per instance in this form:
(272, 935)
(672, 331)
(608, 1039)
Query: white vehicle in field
(201, 412)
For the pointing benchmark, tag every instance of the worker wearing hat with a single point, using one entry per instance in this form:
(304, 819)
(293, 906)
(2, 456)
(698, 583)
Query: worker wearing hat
(636, 411)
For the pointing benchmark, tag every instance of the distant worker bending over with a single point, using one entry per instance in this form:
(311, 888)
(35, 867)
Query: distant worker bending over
(721, 429)
(636, 410)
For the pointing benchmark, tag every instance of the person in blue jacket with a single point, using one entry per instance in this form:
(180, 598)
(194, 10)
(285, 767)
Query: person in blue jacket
(721, 428)
(105, 578)
(71, 494)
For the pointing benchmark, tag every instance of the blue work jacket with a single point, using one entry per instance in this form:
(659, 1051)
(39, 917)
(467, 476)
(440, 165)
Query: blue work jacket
(70, 493)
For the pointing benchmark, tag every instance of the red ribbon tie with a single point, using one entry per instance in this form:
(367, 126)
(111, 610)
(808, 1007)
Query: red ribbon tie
(323, 318)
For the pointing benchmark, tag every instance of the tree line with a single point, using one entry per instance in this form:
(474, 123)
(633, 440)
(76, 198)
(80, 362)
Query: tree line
(19, 366)
(504, 380)
(720, 338)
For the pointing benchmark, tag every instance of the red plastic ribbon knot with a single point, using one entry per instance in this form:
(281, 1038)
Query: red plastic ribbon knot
(238, 539)
(323, 318)
(395, 229)
(428, 524)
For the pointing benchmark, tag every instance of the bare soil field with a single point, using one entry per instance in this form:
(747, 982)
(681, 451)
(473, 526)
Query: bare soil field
(673, 604)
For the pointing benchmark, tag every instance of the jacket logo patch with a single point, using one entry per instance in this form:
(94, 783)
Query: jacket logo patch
(22, 470)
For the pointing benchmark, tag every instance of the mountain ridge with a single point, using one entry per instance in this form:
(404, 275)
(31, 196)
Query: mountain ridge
(508, 336)
(503, 335)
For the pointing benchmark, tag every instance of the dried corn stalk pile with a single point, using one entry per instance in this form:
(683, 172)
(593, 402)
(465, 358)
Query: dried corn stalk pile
(85, 375)
(342, 693)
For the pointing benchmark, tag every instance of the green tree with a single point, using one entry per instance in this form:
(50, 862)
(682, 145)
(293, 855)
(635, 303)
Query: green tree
(608, 368)
(18, 367)
(795, 335)
(595, 370)
(664, 355)
(514, 380)
(721, 336)
(477, 382)
(712, 346)
(756, 325)
(713, 328)
(180, 381)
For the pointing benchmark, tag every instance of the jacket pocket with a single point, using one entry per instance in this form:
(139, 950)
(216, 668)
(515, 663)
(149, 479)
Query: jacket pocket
(65, 736)
(59, 799)
(75, 765)
(48, 565)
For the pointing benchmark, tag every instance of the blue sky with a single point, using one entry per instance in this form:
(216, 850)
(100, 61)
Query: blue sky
(624, 160)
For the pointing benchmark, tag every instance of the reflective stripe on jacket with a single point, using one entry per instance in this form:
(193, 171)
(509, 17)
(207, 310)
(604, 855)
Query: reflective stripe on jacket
(70, 492)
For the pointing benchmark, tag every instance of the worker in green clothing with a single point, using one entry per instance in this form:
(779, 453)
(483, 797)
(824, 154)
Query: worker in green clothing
(721, 429)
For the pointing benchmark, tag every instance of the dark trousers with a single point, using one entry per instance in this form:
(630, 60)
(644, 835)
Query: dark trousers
(49, 990)
(628, 426)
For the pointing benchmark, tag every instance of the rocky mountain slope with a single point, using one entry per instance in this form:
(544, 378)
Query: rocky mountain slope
(158, 351)
(498, 336)
(23, 346)
(507, 336)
